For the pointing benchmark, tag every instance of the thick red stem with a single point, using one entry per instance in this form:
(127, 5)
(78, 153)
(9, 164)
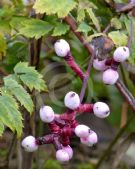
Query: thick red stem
(55, 129)
(85, 108)
(48, 139)
(74, 66)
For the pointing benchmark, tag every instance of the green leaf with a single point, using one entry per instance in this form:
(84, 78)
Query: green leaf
(35, 28)
(30, 77)
(59, 7)
(17, 51)
(60, 29)
(119, 38)
(3, 46)
(16, 22)
(115, 22)
(9, 114)
(4, 27)
(83, 27)
(94, 19)
(1, 128)
(19, 92)
(80, 15)
(127, 22)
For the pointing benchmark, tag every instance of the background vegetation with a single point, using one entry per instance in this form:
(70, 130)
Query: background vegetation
(28, 31)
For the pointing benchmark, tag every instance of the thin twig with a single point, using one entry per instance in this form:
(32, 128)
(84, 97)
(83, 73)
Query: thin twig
(121, 149)
(125, 92)
(85, 80)
(11, 148)
(107, 28)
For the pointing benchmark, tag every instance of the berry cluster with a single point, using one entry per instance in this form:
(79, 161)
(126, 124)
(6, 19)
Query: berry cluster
(110, 66)
(65, 126)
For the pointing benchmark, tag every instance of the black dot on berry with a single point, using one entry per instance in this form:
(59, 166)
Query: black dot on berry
(124, 49)
(106, 112)
(73, 94)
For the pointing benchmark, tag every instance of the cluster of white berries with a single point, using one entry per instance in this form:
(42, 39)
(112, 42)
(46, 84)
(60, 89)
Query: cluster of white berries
(71, 101)
(86, 135)
(110, 76)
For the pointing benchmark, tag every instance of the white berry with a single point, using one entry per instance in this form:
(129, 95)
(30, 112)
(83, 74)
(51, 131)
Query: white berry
(72, 100)
(46, 114)
(110, 76)
(99, 65)
(90, 140)
(82, 131)
(69, 150)
(29, 144)
(101, 110)
(62, 156)
(61, 48)
(121, 54)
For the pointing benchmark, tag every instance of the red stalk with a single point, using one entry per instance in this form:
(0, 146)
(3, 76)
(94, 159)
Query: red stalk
(74, 66)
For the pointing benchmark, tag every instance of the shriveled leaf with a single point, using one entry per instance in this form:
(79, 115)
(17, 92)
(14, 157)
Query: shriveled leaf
(94, 19)
(30, 77)
(19, 92)
(119, 38)
(59, 7)
(60, 29)
(83, 27)
(35, 28)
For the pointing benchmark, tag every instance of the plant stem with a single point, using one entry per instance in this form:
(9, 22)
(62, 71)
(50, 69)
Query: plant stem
(72, 23)
(127, 95)
(121, 150)
(85, 80)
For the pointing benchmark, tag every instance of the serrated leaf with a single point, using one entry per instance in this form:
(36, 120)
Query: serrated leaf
(30, 77)
(19, 92)
(16, 22)
(83, 27)
(1, 128)
(60, 29)
(119, 38)
(9, 114)
(94, 19)
(59, 7)
(115, 22)
(35, 28)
